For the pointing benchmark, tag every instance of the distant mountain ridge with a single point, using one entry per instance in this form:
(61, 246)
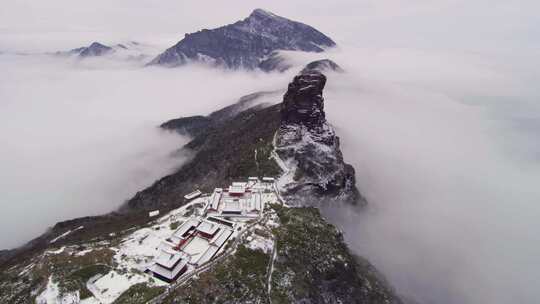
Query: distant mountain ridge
(130, 50)
(246, 43)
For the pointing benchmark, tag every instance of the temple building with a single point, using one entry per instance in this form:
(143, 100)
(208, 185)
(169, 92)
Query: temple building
(169, 265)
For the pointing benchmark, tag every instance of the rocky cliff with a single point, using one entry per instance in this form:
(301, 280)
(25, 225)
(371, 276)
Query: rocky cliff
(309, 147)
(246, 43)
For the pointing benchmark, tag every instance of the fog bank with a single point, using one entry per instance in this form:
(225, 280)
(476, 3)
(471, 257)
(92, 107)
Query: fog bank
(81, 137)
(445, 150)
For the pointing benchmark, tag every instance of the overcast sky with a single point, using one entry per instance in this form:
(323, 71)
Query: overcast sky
(438, 113)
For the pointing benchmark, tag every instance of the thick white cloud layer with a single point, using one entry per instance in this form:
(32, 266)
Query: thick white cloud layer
(449, 172)
(80, 137)
(438, 113)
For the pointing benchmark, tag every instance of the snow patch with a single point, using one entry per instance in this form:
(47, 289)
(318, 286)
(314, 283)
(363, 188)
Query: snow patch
(63, 235)
(257, 242)
(110, 286)
(51, 295)
(58, 251)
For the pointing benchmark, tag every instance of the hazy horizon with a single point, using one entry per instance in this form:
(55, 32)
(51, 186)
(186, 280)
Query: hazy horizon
(438, 112)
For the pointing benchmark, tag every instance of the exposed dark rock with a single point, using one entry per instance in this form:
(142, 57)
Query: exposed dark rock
(303, 102)
(245, 43)
(310, 147)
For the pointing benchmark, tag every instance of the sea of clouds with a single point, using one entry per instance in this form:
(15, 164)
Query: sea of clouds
(438, 112)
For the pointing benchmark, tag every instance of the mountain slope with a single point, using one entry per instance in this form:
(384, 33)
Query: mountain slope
(246, 43)
(224, 152)
(310, 262)
(195, 125)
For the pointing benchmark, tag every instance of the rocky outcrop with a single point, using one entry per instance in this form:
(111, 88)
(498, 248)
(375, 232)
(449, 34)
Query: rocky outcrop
(245, 43)
(303, 102)
(309, 147)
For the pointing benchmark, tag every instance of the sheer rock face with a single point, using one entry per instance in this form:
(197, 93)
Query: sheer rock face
(303, 103)
(310, 148)
(246, 43)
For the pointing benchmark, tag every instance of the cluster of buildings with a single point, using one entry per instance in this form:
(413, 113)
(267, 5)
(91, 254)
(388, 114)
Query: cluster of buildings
(199, 239)
(240, 200)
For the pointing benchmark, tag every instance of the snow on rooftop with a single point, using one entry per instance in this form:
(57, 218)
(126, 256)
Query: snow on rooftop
(255, 202)
(207, 255)
(169, 273)
(193, 194)
(222, 221)
(221, 238)
(168, 258)
(196, 247)
(185, 227)
(208, 227)
(215, 198)
(232, 206)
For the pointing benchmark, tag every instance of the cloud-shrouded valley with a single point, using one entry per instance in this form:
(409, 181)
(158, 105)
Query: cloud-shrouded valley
(438, 111)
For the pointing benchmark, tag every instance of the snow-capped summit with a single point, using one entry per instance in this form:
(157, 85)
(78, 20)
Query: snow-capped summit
(245, 43)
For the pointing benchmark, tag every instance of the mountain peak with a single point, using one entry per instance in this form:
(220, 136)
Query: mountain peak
(95, 49)
(245, 43)
(308, 142)
(96, 44)
(259, 12)
(303, 103)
